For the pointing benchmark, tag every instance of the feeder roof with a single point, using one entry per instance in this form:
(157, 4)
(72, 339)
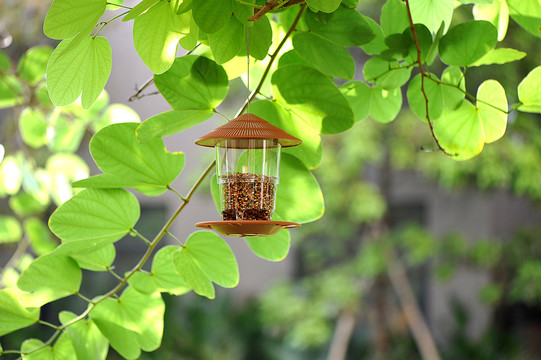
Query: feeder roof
(247, 126)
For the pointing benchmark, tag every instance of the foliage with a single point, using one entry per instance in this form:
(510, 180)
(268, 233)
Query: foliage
(296, 89)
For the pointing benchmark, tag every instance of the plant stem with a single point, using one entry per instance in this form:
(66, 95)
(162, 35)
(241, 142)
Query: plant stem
(221, 114)
(139, 235)
(271, 60)
(105, 23)
(423, 76)
(117, 5)
(47, 324)
(84, 297)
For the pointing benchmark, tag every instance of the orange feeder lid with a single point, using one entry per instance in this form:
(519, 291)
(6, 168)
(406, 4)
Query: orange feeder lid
(248, 126)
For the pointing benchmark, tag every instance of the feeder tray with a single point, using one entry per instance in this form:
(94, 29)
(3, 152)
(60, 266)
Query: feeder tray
(248, 161)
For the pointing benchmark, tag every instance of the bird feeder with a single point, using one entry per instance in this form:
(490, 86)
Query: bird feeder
(248, 171)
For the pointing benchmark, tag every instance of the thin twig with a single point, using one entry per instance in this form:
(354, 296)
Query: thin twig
(423, 76)
(140, 236)
(140, 90)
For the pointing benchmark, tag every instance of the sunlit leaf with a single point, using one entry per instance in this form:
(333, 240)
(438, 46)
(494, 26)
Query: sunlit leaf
(529, 92)
(464, 131)
(94, 218)
(132, 322)
(204, 259)
(122, 158)
(497, 13)
(10, 91)
(82, 70)
(98, 260)
(309, 152)
(62, 349)
(163, 277)
(170, 122)
(500, 56)
(13, 315)
(312, 97)
(156, 34)
(527, 13)
(273, 248)
(87, 340)
(139, 9)
(467, 42)
(193, 83)
(49, 278)
(66, 18)
(453, 87)
(299, 197)
(260, 39)
(33, 127)
(10, 176)
(432, 13)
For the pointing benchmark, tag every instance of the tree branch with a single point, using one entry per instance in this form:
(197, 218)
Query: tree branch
(423, 76)
(416, 322)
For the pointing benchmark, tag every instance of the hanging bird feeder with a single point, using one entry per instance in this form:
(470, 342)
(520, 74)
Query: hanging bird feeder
(248, 171)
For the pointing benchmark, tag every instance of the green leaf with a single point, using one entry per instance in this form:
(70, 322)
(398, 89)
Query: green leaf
(432, 13)
(63, 349)
(49, 278)
(309, 152)
(313, 97)
(25, 204)
(394, 17)
(190, 41)
(10, 176)
(87, 340)
(10, 229)
(63, 170)
(463, 132)
(377, 44)
(13, 315)
(273, 248)
(345, 27)
(244, 12)
(299, 197)
(227, 42)
(527, 14)
(156, 34)
(99, 260)
(205, 259)
(324, 55)
(33, 127)
(260, 39)
(529, 92)
(170, 122)
(497, 13)
(39, 235)
(193, 83)
(132, 322)
(64, 134)
(83, 69)
(139, 9)
(10, 91)
(388, 74)
(94, 218)
(163, 277)
(453, 86)
(211, 15)
(466, 43)
(66, 18)
(500, 56)
(33, 64)
(119, 155)
(434, 93)
(327, 6)
(382, 105)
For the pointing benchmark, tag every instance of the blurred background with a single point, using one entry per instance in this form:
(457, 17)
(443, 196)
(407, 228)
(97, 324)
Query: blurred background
(404, 230)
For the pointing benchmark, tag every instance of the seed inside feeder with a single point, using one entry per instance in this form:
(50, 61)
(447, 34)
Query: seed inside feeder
(247, 196)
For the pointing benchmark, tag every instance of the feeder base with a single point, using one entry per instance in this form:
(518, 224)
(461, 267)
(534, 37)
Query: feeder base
(247, 228)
